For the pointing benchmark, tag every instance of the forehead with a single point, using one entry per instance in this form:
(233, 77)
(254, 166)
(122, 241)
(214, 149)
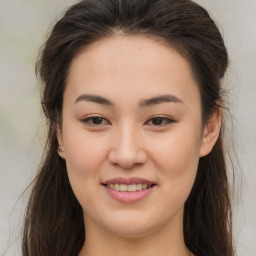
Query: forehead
(125, 65)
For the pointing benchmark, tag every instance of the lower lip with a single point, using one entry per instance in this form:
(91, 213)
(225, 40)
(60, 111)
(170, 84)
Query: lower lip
(129, 197)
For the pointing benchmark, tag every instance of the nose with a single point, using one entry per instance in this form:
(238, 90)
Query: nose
(126, 149)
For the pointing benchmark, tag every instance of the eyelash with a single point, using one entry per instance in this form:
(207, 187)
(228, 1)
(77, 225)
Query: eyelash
(89, 121)
(167, 120)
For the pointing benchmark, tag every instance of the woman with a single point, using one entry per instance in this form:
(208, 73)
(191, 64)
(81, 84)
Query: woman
(134, 163)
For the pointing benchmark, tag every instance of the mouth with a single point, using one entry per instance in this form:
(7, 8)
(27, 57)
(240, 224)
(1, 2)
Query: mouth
(129, 187)
(128, 190)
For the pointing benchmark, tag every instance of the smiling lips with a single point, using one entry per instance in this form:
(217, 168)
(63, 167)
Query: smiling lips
(128, 190)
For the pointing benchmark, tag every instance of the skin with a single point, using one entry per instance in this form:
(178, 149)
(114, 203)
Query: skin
(127, 142)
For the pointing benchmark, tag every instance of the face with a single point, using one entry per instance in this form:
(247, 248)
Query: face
(131, 120)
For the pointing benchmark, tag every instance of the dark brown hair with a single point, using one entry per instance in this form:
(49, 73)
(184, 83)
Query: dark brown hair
(54, 220)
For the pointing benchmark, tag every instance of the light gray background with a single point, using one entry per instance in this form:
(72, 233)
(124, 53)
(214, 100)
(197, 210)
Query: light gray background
(23, 26)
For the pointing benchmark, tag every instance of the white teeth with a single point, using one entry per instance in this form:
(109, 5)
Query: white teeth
(123, 187)
(144, 186)
(139, 186)
(130, 188)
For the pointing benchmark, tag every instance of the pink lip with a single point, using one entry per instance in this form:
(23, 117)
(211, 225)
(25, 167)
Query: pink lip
(128, 197)
(128, 181)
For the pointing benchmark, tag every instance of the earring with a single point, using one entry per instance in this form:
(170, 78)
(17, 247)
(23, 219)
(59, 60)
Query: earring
(60, 150)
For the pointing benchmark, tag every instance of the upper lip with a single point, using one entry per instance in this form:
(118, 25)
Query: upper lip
(128, 181)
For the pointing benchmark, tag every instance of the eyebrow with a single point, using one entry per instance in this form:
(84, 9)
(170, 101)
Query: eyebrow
(94, 98)
(143, 103)
(160, 99)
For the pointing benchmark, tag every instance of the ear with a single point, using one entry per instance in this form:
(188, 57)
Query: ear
(61, 150)
(211, 132)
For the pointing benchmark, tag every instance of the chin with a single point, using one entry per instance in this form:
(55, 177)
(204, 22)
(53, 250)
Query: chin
(131, 227)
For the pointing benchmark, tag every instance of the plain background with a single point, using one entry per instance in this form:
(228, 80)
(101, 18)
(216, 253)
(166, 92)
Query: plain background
(23, 28)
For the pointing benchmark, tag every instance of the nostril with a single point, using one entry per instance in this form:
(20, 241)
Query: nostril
(127, 157)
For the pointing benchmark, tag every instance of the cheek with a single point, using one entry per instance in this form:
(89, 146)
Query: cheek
(176, 158)
(84, 159)
(177, 152)
(82, 152)
(176, 161)
(83, 163)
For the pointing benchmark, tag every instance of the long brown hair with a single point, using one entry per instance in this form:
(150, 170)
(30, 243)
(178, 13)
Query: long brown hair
(54, 219)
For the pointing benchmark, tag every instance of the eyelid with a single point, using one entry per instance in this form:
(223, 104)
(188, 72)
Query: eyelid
(87, 119)
(168, 118)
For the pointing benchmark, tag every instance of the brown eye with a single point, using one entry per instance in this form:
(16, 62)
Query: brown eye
(160, 121)
(95, 121)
